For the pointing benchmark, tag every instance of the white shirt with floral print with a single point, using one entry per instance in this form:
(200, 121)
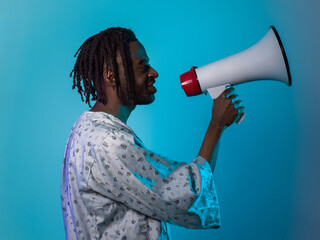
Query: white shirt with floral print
(113, 187)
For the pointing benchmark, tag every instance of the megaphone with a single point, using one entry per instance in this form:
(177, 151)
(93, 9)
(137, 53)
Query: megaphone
(266, 60)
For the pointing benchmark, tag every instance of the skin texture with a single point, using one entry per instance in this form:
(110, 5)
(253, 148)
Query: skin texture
(223, 111)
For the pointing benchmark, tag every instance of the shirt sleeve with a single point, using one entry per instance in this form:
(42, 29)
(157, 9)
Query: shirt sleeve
(171, 191)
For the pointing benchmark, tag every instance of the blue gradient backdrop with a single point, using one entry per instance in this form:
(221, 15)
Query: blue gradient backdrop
(267, 173)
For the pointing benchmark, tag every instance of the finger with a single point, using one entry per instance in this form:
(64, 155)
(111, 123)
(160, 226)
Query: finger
(231, 92)
(241, 109)
(240, 115)
(237, 104)
(225, 92)
(234, 98)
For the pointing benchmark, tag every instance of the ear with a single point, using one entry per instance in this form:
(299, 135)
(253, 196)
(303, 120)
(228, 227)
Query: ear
(108, 77)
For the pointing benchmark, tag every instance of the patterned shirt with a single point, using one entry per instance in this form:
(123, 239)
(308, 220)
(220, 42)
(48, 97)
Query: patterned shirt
(113, 187)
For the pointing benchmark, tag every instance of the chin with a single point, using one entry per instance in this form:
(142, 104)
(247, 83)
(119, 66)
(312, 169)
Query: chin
(147, 101)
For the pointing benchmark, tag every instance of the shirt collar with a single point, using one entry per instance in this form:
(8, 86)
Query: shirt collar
(114, 120)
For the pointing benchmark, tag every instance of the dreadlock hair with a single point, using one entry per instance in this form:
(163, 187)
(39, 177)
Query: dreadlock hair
(98, 51)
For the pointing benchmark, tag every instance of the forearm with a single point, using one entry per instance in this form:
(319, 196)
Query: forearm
(210, 144)
(214, 157)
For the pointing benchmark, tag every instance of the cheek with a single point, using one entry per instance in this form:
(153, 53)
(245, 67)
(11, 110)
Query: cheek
(141, 81)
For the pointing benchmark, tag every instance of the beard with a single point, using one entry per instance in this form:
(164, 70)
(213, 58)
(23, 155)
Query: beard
(142, 96)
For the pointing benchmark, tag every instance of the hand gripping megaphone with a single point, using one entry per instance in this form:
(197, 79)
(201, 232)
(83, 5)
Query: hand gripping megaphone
(266, 60)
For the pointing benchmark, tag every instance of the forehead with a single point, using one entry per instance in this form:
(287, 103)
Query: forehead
(138, 52)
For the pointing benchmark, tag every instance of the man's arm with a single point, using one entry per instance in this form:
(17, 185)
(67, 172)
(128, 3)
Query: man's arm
(175, 192)
(223, 115)
(210, 145)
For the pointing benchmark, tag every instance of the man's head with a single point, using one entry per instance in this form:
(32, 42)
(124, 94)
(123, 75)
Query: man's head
(114, 58)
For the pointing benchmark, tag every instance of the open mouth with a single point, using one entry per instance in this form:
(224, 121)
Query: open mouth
(151, 88)
(151, 83)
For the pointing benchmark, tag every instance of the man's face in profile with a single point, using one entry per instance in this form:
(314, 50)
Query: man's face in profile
(144, 75)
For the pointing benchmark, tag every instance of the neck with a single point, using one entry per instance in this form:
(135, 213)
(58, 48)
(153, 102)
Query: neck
(116, 109)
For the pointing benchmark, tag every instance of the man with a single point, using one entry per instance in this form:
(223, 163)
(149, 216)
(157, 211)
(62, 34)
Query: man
(112, 186)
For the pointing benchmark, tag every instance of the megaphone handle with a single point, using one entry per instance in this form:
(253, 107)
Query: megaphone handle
(215, 92)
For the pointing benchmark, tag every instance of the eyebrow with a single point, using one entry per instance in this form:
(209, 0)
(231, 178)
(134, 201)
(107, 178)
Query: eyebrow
(143, 61)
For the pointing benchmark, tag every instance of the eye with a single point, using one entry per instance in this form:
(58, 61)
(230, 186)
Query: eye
(145, 68)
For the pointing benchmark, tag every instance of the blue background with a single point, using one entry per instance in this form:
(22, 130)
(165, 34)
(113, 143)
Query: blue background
(267, 173)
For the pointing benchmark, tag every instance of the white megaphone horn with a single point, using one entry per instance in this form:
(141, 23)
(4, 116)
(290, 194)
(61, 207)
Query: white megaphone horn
(266, 60)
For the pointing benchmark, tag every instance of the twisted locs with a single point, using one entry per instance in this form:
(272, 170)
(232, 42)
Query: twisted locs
(98, 53)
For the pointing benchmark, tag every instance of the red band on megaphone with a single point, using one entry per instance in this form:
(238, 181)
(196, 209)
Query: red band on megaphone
(190, 83)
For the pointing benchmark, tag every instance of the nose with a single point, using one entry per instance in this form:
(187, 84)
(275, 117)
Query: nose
(153, 73)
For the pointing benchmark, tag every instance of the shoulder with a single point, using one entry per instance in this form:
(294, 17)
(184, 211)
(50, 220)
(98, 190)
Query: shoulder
(104, 129)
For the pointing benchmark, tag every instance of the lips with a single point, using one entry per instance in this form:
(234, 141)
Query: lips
(150, 87)
(151, 83)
